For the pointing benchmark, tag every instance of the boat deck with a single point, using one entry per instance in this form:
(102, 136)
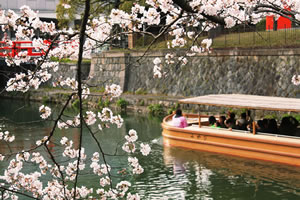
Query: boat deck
(222, 131)
(236, 133)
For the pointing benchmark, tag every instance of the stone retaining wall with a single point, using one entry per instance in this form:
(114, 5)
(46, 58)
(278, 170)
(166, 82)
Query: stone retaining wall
(260, 72)
(70, 70)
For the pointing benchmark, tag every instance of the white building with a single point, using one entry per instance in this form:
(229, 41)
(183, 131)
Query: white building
(46, 8)
(46, 11)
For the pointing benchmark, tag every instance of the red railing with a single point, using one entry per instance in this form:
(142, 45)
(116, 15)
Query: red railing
(18, 46)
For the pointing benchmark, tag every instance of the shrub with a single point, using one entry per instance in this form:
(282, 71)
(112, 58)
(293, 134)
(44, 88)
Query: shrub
(261, 25)
(141, 102)
(97, 89)
(156, 109)
(173, 108)
(122, 103)
(75, 104)
(103, 103)
(140, 91)
(46, 99)
(270, 116)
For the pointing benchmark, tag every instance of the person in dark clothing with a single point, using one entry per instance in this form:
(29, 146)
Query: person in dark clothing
(248, 117)
(266, 125)
(288, 126)
(230, 122)
(273, 128)
(260, 126)
(221, 122)
(212, 121)
(242, 122)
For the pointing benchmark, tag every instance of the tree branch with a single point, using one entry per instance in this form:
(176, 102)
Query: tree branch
(184, 5)
(81, 43)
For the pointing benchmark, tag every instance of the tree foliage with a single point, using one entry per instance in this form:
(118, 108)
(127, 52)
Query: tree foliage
(180, 19)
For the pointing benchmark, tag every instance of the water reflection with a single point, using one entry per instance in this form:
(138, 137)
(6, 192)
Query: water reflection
(232, 177)
(170, 173)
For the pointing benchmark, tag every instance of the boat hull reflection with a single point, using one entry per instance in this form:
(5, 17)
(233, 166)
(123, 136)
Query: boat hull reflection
(229, 166)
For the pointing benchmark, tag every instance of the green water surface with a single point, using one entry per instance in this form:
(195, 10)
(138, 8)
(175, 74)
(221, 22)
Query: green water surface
(170, 173)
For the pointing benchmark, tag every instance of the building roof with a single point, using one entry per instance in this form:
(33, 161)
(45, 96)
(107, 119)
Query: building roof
(247, 101)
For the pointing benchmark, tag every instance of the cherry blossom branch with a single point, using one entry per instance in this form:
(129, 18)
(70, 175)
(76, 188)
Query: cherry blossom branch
(102, 152)
(281, 14)
(81, 43)
(275, 8)
(17, 192)
(160, 34)
(58, 167)
(184, 5)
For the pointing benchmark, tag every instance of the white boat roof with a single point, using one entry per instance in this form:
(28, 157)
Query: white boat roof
(247, 101)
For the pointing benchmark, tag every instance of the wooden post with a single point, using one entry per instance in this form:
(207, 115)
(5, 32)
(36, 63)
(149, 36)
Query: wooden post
(253, 128)
(131, 37)
(199, 117)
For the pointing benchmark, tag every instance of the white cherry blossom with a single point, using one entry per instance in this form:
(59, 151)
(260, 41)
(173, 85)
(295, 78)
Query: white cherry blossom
(45, 111)
(145, 149)
(296, 79)
(113, 90)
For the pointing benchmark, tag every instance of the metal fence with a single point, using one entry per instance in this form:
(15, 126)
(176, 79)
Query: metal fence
(249, 37)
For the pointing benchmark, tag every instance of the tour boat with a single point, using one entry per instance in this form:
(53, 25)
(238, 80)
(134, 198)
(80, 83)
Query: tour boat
(253, 145)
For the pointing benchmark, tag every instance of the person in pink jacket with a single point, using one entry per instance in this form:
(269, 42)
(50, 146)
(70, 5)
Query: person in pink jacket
(178, 120)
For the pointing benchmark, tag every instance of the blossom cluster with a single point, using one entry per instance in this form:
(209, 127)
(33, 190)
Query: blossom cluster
(106, 115)
(296, 79)
(157, 71)
(22, 82)
(130, 147)
(42, 141)
(45, 111)
(28, 182)
(6, 136)
(113, 90)
(136, 167)
(73, 123)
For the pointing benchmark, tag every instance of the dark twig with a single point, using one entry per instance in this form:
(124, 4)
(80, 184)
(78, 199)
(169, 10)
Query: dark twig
(17, 192)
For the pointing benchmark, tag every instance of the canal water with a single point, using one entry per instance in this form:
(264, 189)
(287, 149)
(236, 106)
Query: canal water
(170, 173)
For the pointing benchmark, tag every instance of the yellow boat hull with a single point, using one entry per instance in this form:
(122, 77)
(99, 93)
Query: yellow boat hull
(261, 147)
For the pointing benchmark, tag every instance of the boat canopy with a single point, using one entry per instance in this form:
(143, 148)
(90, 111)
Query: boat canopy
(254, 102)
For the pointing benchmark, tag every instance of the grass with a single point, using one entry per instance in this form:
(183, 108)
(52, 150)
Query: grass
(67, 60)
(280, 38)
(50, 88)
(266, 39)
(97, 89)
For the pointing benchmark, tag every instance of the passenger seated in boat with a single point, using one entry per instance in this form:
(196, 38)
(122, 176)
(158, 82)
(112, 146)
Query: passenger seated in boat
(242, 122)
(288, 126)
(266, 125)
(221, 122)
(178, 120)
(260, 126)
(273, 128)
(248, 117)
(230, 122)
(212, 121)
